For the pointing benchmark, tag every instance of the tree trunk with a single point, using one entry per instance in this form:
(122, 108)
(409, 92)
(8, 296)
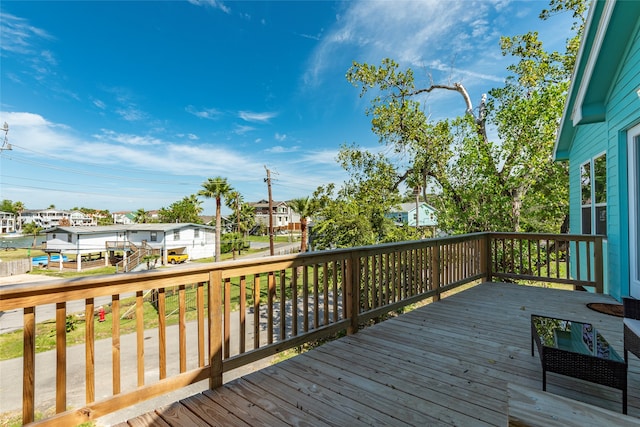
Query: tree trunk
(218, 229)
(303, 235)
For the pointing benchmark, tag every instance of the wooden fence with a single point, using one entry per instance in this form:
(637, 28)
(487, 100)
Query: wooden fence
(17, 266)
(249, 309)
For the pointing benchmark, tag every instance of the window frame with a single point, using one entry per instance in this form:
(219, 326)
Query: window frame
(593, 201)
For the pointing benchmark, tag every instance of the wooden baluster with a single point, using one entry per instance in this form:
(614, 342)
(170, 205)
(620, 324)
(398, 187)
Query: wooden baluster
(256, 311)
(215, 329)
(182, 327)
(90, 372)
(140, 337)
(316, 297)
(335, 291)
(283, 305)
(305, 299)
(227, 317)
(61, 357)
(28, 365)
(243, 312)
(325, 292)
(271, 287)
(200, 313)
(115, 343)
(294, 301)
(162, 334)
(366, 285)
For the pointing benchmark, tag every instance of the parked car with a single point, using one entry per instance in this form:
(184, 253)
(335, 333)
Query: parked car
(176, 258)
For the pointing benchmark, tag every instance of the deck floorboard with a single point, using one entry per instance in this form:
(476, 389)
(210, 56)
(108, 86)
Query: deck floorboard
(446, 363)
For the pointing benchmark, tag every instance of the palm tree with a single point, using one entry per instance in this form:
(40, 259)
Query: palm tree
(233, 202)
(18, 207)
(216, 188)
(141, 216)
(305, 208)
(32, 229)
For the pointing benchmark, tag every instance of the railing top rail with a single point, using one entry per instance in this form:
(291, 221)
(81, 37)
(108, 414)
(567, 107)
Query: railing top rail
(542, 236)
(26, 294)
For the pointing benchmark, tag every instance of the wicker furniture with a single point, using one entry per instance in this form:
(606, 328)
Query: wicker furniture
(577, 349)
(631, 327)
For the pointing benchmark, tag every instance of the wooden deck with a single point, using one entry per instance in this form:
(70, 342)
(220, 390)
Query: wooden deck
(447, 363)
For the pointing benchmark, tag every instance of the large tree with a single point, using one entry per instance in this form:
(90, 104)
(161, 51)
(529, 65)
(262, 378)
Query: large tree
(510, 183)
(216, 188)
(356, 214)
(186, 210)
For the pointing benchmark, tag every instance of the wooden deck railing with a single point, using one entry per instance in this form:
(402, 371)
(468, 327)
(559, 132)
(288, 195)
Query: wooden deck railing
(239, 312)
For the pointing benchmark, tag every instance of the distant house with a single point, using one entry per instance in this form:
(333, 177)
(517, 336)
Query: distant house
(284, 218)
(600, 137)
(7, 222)
(405, 214)
(48, 218)
(124, 217)
(103, 242)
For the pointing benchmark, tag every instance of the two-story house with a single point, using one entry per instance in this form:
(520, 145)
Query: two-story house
(7, 222)
(283, 217)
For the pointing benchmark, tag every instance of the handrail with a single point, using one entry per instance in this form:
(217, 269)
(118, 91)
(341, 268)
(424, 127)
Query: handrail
(246, 310)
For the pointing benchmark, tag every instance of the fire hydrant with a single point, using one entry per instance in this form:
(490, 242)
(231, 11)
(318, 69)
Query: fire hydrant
(101, 314)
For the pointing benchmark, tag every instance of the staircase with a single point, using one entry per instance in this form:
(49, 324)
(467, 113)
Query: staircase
(136, 257)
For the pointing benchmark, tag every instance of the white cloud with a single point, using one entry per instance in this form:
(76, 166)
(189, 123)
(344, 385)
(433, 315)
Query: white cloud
(131, 114)
(152, 171)
(254, 117)
(207, 113)
(412, 32)
(280, 137)
(280, 149)
(18, 36)
(98, 103)
(216, 4)
(241, 130)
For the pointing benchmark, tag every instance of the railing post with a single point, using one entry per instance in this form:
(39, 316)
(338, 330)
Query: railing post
(435, 271)
(353, 291)
(486, 258)
(215, 329)
(598, 264)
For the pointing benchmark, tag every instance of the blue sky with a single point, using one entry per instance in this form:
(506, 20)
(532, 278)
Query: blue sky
(124, 105)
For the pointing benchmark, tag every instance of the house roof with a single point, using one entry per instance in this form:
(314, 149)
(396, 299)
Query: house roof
(408, 207)
(604, 43)
(163, 227)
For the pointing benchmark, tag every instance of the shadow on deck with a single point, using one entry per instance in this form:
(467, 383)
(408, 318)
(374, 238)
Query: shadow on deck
(447, 363)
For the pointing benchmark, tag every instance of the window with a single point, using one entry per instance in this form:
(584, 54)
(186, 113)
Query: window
(69, 238)
(196, 233)
(176, 235)
(593, 183)
(154, 236)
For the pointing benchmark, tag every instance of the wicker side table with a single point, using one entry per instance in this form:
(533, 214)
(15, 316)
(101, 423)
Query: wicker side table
(577, 350)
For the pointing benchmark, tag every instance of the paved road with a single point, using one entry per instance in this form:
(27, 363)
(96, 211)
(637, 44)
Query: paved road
(13, 319)
(11, 370)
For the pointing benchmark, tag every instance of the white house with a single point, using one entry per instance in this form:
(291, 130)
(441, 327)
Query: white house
(48, 218)
(283, 217)
(102, 242)
(7, 222)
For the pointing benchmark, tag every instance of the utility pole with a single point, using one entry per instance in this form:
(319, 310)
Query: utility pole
(268, 181)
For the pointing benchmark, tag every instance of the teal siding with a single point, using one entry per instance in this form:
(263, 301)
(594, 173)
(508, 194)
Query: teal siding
(622, 113)
(591, 140)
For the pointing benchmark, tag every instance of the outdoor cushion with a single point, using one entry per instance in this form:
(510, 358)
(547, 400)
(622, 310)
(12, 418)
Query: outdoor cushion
(633, 325)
